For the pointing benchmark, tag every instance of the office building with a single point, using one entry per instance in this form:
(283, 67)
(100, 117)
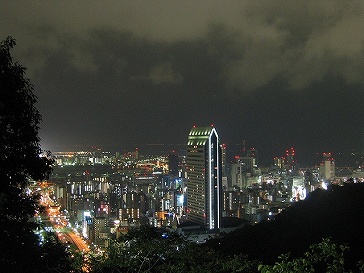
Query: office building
(204, 190)
(327, 167)
(173, 164)
(223, 159)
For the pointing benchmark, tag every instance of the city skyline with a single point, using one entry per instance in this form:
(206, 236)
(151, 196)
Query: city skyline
(124, 74)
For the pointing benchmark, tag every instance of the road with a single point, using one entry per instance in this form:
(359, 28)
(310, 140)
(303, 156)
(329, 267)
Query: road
(78, 241)
(58, 221)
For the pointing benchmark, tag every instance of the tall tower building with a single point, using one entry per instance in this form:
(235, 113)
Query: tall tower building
(253, 153)
(327, 167)
(223, 159)
(173, 164)
(290, 160)
(204, 189)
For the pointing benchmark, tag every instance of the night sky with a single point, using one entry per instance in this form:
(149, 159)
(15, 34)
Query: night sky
(122, 74)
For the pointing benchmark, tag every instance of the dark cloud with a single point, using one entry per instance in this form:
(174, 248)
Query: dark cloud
(274, 73)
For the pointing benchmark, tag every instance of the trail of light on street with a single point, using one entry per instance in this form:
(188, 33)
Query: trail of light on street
(78, 241)
(75, 239)
(60, 223)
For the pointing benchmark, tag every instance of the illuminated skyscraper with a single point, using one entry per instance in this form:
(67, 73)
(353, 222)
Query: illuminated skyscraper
(327, 167)
(204, 190)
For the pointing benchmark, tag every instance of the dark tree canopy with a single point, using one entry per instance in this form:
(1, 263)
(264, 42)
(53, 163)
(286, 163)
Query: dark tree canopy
(21, 161)
(19, 123)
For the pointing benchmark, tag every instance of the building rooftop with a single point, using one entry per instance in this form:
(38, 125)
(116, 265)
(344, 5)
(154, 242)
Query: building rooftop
(199, 135)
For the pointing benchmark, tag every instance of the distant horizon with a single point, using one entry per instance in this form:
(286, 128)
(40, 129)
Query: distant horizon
(265, 157)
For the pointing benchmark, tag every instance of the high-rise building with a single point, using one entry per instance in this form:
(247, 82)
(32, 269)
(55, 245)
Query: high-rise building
(253, 153)
(327, 167)
(237, 175)
(173, 164)
(223, 159)
(290, 159)
(247, 163)
(204, 189)
(279, 162)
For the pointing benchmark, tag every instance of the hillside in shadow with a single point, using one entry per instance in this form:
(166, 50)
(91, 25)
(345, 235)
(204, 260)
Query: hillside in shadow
(336, 213)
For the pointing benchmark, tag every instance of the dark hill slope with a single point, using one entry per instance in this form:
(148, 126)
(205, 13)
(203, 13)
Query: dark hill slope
(336, 213)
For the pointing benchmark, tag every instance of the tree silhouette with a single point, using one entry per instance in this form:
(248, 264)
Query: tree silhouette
(148, 249)
(21, 162)
(325, 256)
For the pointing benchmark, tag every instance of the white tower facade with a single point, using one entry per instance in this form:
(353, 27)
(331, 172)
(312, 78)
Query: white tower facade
(204, 188)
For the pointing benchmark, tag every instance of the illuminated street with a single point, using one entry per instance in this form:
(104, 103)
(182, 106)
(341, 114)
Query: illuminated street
(59, 222)
(78, 241)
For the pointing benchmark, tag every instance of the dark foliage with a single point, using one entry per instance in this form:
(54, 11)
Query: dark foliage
(20, 163)
(325, 256)
(146, 250)
(334, 213)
